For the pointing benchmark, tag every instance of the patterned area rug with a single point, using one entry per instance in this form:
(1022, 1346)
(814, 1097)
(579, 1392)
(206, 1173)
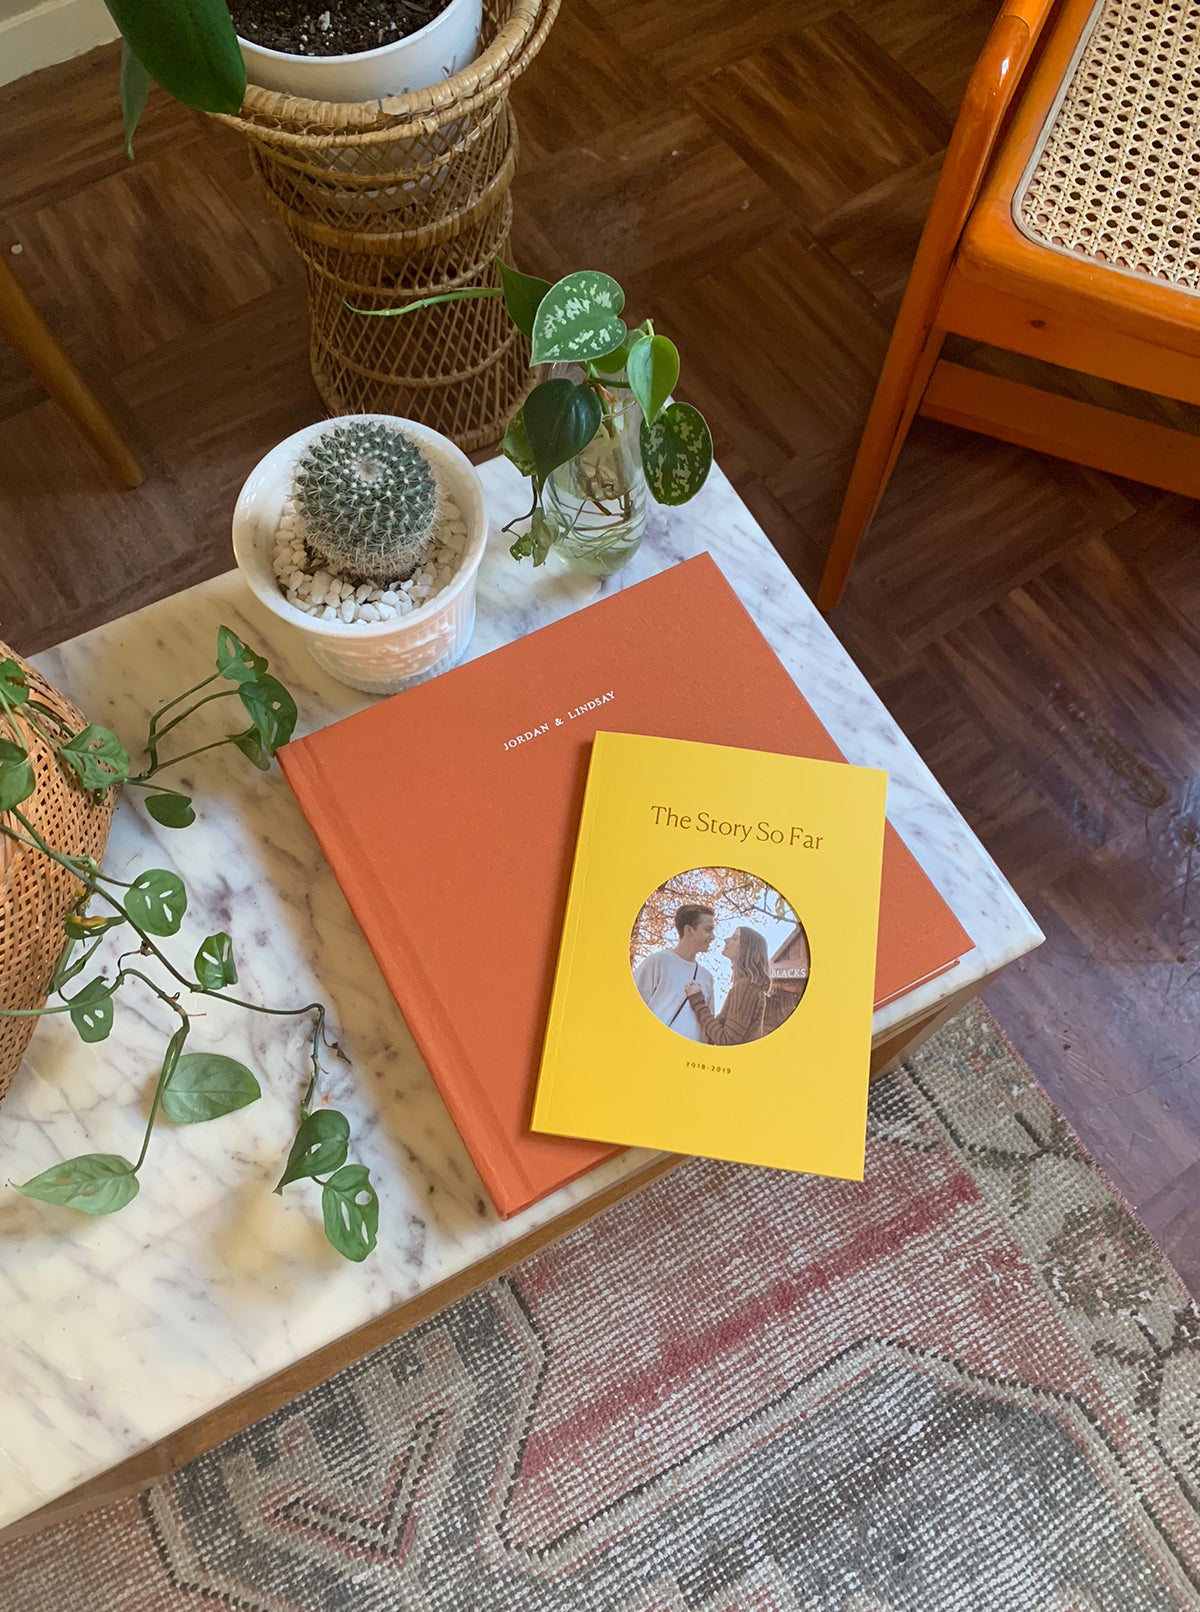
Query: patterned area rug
(970, 1384)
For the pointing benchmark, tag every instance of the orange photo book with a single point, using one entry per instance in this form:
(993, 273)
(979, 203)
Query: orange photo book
(449, 814)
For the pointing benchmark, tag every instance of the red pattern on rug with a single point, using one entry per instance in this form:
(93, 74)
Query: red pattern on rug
(737, 1319)
(968, 1384)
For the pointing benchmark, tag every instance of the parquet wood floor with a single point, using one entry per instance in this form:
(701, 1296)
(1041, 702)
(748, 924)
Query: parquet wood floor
(756, 175)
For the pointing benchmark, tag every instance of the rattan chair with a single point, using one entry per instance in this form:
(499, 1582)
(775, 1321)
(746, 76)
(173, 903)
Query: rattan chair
(1064, 228)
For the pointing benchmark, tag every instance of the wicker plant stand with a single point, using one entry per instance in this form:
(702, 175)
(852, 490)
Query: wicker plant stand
(391, 201)
(35, 893)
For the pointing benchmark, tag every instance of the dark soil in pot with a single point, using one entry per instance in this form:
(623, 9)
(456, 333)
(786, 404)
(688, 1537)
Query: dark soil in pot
(338, 28)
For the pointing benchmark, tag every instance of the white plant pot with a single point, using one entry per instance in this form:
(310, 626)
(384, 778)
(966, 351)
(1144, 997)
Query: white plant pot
(376, 657)
(438, 51)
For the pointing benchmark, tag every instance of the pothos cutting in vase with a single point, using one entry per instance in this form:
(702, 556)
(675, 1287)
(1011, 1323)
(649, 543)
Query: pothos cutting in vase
(596, 440)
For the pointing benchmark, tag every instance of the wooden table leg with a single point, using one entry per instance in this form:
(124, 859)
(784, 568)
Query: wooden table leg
(23, 326)
(906, 1038)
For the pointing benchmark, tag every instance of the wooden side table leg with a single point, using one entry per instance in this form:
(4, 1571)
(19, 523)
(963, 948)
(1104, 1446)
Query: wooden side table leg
(907, 367)
(23, 326)
(907, 1038)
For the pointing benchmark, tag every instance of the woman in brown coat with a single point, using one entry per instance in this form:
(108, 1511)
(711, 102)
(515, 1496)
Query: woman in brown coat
(741, 1015)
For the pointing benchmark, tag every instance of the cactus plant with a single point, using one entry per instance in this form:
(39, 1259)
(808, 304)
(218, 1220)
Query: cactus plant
(368, 501)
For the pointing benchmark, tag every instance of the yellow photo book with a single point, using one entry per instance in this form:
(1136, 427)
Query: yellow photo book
(714, 986)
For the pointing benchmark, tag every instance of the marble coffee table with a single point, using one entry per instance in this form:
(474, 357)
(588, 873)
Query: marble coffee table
(131, 1343)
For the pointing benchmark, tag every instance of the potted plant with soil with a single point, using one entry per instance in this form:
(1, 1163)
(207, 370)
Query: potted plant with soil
(601, 431)
(203, 51)
(355, 50)
(366, 533)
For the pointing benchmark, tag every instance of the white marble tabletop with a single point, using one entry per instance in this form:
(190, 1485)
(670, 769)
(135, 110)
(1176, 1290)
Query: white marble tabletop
(116, 1332)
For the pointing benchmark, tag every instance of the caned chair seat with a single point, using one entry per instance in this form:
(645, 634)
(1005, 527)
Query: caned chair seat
(1115, 174)
(1065, 228)
(1090, 206)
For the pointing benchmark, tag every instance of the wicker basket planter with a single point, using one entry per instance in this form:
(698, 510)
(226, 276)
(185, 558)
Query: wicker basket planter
(35, 893)
(391, 201)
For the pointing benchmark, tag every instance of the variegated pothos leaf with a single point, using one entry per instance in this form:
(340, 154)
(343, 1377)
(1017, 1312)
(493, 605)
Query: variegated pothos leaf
(577, 319)
(677, 453)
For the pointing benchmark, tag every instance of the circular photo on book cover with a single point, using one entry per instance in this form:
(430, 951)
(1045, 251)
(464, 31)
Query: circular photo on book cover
(719, 956)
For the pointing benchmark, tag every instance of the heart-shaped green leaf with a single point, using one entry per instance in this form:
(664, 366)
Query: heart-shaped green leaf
(577, 319)
(515, 446)
(350, 1207)
(205, 1085)
(97, 756)
(17, 779)
(235, 660)
(97, 1183)
(92, 1011)
(172, 810)
(523, 295)
(653, 373)
(214, 962)
(561, 418)
(676, 453)
(320, 1145)
(272, 711)
(248, 743)
(14, 690)
(189, 47)
(157, 901)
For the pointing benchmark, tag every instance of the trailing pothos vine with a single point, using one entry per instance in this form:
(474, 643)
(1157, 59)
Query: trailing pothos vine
(191, 1086)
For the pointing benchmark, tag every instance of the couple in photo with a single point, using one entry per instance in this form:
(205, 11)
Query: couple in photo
(679, 990)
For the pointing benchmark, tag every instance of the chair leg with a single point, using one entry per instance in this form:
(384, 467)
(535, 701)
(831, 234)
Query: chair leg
(27, 331)
(906, 370)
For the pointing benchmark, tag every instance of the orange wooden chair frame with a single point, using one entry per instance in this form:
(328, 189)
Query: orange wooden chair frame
(976, 275)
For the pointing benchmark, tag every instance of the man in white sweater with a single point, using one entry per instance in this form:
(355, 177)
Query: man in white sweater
(663, 977)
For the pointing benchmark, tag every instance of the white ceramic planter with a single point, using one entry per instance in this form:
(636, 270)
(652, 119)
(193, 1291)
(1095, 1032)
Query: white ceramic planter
(377, 657)
(439, 50)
